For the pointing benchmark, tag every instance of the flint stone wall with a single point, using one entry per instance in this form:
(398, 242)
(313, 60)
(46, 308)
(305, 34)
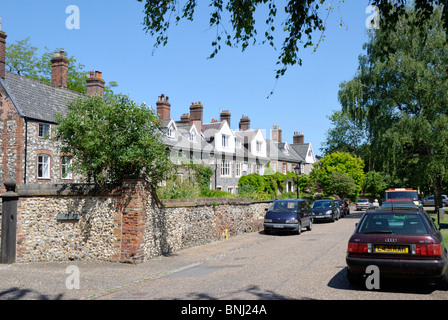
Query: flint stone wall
(122, 225)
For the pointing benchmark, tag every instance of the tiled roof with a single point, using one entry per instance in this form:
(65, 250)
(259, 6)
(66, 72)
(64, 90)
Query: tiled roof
(38, 100)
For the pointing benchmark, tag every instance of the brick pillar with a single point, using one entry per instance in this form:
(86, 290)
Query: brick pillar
(133, 213)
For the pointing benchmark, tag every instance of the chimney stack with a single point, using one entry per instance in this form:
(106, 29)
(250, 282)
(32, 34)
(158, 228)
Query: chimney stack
(225, 116)
(2, 54)
(298, 138)
(185, 118)
(276, 133)
(164, 107)
(95, 84)
(244, 123)
(59, 69)
(196, 114)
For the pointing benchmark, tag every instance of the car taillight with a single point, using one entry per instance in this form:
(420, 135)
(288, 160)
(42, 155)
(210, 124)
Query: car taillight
(356, 247)
(428, 249)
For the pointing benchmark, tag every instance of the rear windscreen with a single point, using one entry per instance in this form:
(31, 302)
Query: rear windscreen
(283, 206)
(399, 223)
(402, 195)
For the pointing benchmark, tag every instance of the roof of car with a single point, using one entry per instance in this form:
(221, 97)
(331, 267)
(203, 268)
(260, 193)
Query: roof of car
(408, 210)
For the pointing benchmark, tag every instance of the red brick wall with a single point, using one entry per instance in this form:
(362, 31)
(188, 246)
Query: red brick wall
(12, 155)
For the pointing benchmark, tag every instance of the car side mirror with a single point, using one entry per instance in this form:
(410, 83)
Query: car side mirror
(265, 209)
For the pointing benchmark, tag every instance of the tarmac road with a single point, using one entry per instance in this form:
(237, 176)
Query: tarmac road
(253, 266)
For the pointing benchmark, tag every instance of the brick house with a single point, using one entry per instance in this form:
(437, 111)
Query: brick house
(27, 122)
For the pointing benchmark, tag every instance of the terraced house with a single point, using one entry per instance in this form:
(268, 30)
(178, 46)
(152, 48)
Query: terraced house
(231, 153)
(27, 122)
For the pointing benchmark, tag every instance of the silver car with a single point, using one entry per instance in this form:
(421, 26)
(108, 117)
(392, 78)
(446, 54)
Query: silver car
(363, 204)
(429, 201)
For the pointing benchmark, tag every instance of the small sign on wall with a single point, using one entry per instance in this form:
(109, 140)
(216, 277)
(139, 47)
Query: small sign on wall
(67, 216)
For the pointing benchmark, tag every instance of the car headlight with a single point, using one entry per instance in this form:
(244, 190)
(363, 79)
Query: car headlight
(267, 220)
(329, 212)
(292, 221)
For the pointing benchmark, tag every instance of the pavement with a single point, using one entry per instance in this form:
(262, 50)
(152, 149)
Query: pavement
(88, 280)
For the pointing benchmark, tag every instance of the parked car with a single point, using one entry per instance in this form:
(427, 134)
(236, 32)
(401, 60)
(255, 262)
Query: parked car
(363, 204)
(288, 215)
(325, 209)
(402, 243)
(398, 204)
(402, 194)
(429, 201)
(345, 206)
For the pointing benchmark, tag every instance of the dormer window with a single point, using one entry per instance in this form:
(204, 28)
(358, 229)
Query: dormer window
(286, 150)
(170, 132)
(192, 136)
(237, 143)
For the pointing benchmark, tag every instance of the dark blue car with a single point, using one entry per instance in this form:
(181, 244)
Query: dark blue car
(288, 215)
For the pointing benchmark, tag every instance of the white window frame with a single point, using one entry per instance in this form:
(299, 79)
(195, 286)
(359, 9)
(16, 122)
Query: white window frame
(66, 167)
(225, 168)
(238, 169)
(44, 130)
(259, 144)
(225, 141)
(43, 166)
(170, 132)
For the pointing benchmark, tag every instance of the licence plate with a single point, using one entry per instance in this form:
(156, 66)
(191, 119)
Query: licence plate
(278, 226)
(391, 249)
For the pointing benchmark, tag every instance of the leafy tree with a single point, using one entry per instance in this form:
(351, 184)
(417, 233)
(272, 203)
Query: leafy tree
(345, 135)
(112, 138)
(24, 59)
(342, 185)
(302, 22)
(400, 97)
(374, 184)
(341, 162)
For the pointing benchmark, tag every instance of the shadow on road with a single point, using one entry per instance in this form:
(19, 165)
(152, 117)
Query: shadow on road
(339, 281)
(254, 291)
(25, 294)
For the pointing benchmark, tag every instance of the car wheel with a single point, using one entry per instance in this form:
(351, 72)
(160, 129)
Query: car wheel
(299, 228)
(310, 225)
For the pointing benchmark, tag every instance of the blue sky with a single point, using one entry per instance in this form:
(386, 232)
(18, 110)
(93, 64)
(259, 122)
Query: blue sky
(111, 40)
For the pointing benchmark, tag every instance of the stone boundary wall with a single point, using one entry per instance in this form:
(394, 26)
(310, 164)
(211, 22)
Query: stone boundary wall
(58, 222)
